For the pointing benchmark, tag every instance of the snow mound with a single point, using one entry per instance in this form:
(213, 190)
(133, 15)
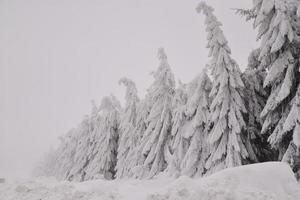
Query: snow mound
(265, 181)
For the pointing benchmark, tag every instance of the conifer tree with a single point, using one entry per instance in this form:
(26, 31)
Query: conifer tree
(227, 107)
(255, 97)
(160, 94)
(127, 128)
(81, 160)
(135, 156)
(193, 163)
(84, 144)
(65, 156)
(103, 157)
(176, 144)
(279, 30)
(292, 122)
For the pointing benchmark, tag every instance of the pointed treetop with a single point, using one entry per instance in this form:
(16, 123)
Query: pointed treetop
(216, 40)
(94, 105)
(202, 6)
(131, 90)
(109, 103)
(106, 103)
(126, 81)
(161, 54)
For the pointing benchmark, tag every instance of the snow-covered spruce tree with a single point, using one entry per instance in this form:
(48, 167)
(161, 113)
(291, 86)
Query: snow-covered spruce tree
(255, 97)
(177, 145)
(190, 112)
(80, 159)
(103, 156)
(153, 142)
(65, 156)
(135, 157)
(127, 127)
(82, 153)
(279, 31)
(227, 107)
(197, 111)
(292, 122)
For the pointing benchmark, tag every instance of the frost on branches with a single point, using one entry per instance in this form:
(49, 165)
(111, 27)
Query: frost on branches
(227, 107)
(189, 149)
(197, 111)
(153, 142)
(81, 157)
(278, 28)
(127, 140)
(292, 122)
(135, 157)
(255, 97)
(104, 145)
(177, 145)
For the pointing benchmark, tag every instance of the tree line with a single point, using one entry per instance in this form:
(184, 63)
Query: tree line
(222, 118)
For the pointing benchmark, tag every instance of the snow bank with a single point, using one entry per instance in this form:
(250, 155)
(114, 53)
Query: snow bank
(265, 181)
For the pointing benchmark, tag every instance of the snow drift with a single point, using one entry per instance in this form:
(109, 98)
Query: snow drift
(264, 181)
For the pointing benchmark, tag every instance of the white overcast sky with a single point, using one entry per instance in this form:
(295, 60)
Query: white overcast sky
(57, 55)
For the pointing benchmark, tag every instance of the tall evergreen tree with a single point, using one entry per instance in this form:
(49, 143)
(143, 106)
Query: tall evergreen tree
(77, 172)
(227, 107)
(159, 120)
(292, 122)
(279, 31)
(193, 162)
(127, 127)
(176, 144)
(135, 154)
(255, 97)
(105, 145)
(65, 156)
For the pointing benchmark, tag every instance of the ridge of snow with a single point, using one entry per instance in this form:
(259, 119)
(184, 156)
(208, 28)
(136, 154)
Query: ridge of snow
(263, 181)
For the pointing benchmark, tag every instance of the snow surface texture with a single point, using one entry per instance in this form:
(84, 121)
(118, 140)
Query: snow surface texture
(264, 181)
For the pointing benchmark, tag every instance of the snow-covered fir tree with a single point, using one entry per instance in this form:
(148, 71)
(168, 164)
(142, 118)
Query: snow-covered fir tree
(227, 107)
(104, 147)
(292, 122)
(176, 145)
(255, 97)
(80, 159)
(159, 121)
(190, 112)
(135, 157)
(197, 111)
(279, 31)
(127, 128)
(65, 156)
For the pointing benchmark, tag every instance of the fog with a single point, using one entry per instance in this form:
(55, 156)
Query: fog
(58, 55)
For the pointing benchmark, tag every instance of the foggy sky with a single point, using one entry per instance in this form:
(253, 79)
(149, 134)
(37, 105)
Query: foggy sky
(57, 55)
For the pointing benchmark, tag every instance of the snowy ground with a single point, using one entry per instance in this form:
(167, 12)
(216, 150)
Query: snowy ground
(266, 181)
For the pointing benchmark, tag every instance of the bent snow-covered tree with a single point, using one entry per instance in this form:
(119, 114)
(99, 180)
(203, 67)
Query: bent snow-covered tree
(197, 111)
(103, 158)
(81, 158)
(65, 155)
(293, 120)
(279, 30)
(189, 146)
(135, 157)
(255, 97)
(227, 107)
(153, 142)
(176, 144)
(127, 127)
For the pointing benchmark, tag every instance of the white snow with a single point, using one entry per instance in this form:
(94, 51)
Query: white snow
(264, 181)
